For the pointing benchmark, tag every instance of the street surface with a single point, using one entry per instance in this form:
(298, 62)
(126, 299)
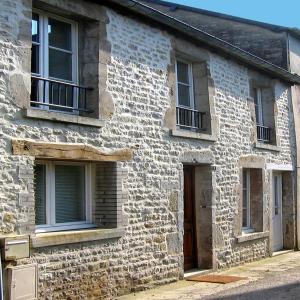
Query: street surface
(273, 278)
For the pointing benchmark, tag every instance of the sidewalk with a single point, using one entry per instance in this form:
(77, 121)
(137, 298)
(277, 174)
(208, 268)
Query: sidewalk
(262, 271)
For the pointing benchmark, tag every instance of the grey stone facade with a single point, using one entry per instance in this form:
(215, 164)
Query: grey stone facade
(135, 95)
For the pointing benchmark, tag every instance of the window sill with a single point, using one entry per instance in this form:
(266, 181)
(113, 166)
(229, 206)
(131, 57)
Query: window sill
(267, 147)
(62, 117)
(247, 230)
(252, 236)
(193, 135)
(75, 236)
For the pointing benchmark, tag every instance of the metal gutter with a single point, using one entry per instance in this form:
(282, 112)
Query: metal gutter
(204, 37)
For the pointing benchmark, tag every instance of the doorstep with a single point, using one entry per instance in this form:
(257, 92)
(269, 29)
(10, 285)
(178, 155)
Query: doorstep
(281, 252)
(195, 272)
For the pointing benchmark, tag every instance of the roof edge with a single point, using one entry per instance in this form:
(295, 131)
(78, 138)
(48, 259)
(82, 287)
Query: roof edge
(270, 26)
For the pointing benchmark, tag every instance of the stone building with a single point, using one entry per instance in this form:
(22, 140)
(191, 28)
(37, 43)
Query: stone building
(135, 147)
(278, 45)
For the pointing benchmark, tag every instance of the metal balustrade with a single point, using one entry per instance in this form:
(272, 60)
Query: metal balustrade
(190, 119)
(58, 95)
(263, 134)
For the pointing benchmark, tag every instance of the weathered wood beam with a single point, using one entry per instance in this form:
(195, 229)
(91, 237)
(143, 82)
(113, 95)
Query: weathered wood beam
(68, 151)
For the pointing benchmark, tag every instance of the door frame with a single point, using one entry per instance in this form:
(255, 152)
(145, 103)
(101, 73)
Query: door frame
(280, 193)
(195, 247)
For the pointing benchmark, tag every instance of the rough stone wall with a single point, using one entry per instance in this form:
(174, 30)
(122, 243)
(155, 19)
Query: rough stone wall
(150, 252)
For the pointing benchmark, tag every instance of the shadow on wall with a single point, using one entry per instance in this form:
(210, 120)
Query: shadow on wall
(286, 291)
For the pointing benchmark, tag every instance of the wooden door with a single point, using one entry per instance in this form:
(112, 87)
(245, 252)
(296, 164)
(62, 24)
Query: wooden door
(190, 246)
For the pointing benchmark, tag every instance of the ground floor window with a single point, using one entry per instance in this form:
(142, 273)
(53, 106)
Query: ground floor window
(246, 200)
(62, 196)
(252, 200)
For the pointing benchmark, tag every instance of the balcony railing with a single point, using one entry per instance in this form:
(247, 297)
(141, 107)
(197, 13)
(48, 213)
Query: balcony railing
(190, 119)
(263, 134)
(58, 95)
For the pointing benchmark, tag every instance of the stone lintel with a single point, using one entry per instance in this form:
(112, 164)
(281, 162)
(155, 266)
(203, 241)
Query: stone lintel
(252, 161)
(69, 151)
(279, 167)
(198, 157)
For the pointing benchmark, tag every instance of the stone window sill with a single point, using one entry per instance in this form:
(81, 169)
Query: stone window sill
(193, 135)
(252, 236)
(75, 236)
(267, 147)
(62, 117)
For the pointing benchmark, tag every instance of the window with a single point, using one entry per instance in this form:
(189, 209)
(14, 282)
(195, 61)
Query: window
(258, 107)
(54, 47)
(264, 112)
(184, 84)
(54, 64)
(188, 117)
(62, 196)
(246, 199)
(252, 200)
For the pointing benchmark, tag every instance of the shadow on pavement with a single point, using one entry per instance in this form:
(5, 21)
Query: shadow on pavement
(287, 291)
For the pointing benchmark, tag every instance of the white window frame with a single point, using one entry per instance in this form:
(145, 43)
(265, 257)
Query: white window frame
(50, 199)
(258, 104)
(44, 50)
(247, 228)
(190, 85)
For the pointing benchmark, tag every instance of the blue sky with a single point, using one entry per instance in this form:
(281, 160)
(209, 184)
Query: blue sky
(285, 13)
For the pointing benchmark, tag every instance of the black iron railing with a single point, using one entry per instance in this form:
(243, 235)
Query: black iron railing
(58, 95)
(190, 119)
(263, 134)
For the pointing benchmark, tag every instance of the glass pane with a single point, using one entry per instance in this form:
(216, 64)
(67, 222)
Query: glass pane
(40, 194)
(35, 59)
(59, 34)
(257, 111)
(245, 221)
(183, 72)
(276, 200)
(245, 200)
(183, 95)
(35, 28)
(60, 64)
(69, 193)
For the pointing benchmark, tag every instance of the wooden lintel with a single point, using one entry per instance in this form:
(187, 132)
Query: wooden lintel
(69, 151)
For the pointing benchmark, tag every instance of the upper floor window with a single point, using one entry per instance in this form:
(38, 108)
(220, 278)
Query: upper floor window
(54, 48)
(54, 64)
(258, 106)
(185, 84)
(187, 114)
(264, 112)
